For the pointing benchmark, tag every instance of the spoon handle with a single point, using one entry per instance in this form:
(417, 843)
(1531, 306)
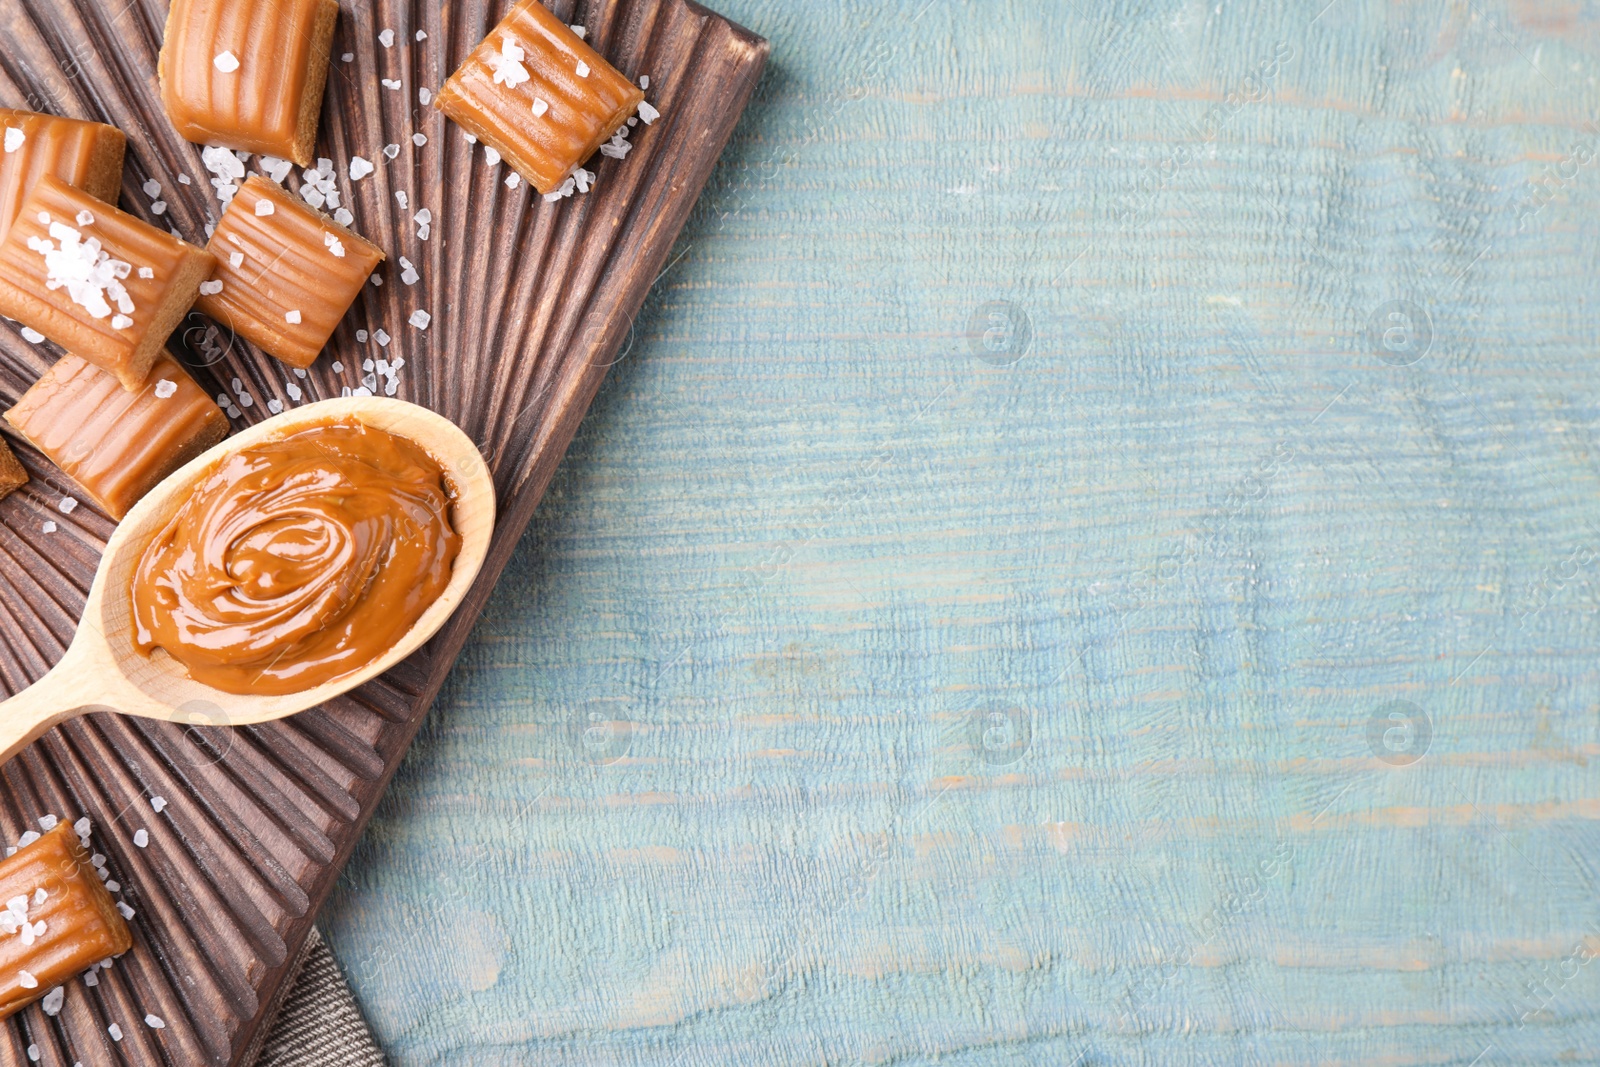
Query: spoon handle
(67, 690)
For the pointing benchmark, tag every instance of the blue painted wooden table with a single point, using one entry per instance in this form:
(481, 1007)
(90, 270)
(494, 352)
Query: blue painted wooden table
(1092, 556)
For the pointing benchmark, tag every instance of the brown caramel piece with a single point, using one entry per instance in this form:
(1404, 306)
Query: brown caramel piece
(121, 336)
(287, 276)
(12, 475)
(115, 444)
(81, 923)
(248, 74)
(542, 116)
(85, 154)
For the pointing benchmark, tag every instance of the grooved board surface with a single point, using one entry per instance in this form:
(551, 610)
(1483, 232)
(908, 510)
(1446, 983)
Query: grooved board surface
(1187, 549)
(530, 302)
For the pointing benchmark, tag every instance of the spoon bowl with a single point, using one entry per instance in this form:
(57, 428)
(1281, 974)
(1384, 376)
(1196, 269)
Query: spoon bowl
(102, 670)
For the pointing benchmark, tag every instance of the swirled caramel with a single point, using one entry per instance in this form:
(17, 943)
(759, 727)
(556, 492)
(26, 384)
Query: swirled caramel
(248, 74)
(298, 561)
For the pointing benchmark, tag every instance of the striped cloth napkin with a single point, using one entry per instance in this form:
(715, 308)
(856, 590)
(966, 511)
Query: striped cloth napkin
(319, 1024)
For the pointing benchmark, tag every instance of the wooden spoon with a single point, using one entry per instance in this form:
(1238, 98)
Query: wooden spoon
(103, 671)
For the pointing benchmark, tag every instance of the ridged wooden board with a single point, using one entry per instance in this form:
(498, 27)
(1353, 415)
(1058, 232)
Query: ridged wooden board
(530, 303)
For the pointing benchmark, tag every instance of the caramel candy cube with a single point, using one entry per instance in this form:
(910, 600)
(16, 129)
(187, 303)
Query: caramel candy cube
(538, 95)
(85, 154)
(115, 444)
(12, 476)
(286, 273)
(95, 280)
(248, 74)
(71, 921)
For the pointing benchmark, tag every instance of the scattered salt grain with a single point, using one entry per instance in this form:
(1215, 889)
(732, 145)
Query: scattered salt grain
(82, 827)
(425, 96)
(115, 1031)
(359, 168)
(334, 245)
(491, 155)
(147, 272)
(49, 526)
(292, 317)
(419, 139)
(391, 150)
(391, 83)
(141, 837)
(183, 179)
(338, 367)
(277, 169)
(579, 32)
(158, 803)
(275, 405)
(152, 188)
(381, 337)
(14, 138)
(66, 506)
(408, 271)
(52, 1000)
(293, 390)
(376, 279)
(154, 1022)
(33, 1053)
(40, 895)
(113, 886)
(227, 62)
(166, 387)
(420, 319)
(158, 208)
(361, 337)
(400, 198)
(127, 912)
(27, 981)
(539, 108)
(348, 57)
(90, 978)
(583, 69)
(422, 35)
(513, 180)
(644, 81)
(507, 64)
(85, 218)
(120, 322)
(210, 288)
(472, 138)
(30, 334)
(235, 260)
(648, 113)
(386, 38)
(343, 217)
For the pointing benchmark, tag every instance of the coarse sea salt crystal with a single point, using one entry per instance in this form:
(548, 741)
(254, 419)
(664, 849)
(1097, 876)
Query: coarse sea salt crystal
(52, 1000)
(115, 1031)
(152, 188)
(578, 31)
(420, 319)
(359, 168)
(419, 139)
(513, 180)
(14, 138)
(583, 69)
(472, 138)
(292, 317)
(391, 150)
(343, 217)
(400, 198)
(338, 367)
(381, 337)
(90, 978)
(334, 245)
(49, 526)
(85, 218)
(422, 35)
(648, 113)
(120, 322)
(30, 334)
(183, 179)
(391, 83)
(141, 837)
(27, 981)
(83, 826)
(127, 912)
(66, 506)
(539, 108)
(293, 390)
(491, 155)
(165, 388)
(147, 272)
(425, 96)
(361, 337)
(227, 62)
(235, 260)
(210, 288)
(386, 38)
(275, 405)
(48, 822)
(644, 81)
(158, 208)
(33, 1053)
(348, 57)
(158, 803)
(154, 1022)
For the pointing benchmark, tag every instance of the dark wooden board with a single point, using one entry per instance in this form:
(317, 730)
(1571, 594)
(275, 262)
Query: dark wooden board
(530, 302)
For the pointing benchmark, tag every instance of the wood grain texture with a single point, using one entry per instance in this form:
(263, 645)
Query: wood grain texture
(1204, 532)
(529, 302)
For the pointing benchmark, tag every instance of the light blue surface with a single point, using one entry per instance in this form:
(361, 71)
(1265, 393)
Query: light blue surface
(866, 693)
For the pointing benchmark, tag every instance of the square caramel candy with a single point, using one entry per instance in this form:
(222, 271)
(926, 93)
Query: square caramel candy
(539, 96)
(85, 154)
(58, 920)
(248, 74)
(115, 444)
(286, 273)
(12, 475)
(95, 280)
